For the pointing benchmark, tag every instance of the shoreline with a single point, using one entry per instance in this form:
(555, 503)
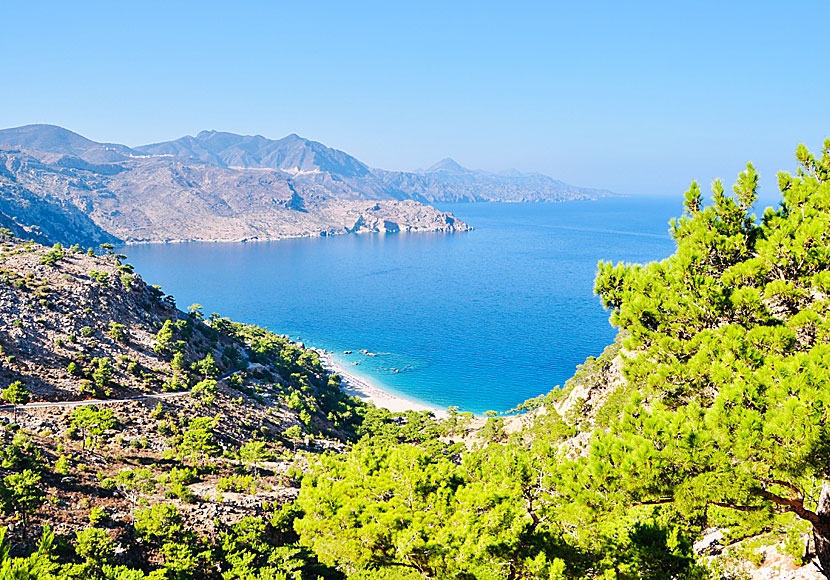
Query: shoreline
(369, 392)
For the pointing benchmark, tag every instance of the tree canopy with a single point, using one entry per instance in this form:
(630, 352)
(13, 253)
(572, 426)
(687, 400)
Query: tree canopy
(727, 358)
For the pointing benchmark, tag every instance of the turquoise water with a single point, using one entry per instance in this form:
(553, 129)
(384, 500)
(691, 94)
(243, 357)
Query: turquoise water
(482, 320)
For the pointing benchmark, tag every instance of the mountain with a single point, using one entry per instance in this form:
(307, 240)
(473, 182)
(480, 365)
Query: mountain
(313, 162)
(121, 379)
(447, 165)
(57, 185)
(292, 154)
(448, 181)
(54, 139)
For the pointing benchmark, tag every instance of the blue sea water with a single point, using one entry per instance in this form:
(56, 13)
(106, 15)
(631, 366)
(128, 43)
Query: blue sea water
(482, 320)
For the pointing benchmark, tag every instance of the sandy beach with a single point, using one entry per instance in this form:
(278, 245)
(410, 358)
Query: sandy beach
(366, 391)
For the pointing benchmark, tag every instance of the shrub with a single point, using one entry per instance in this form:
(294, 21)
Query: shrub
(103, 278)
(98, 516)
(159, 523)
(293, 432)
(53, 256)
(118, 332)
(238, 484)
(62, 465)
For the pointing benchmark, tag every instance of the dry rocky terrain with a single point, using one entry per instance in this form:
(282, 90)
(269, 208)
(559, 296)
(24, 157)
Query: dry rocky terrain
(158, 199)
(62, 317)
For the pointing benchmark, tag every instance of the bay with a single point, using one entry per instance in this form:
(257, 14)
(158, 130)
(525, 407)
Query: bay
(481, 320)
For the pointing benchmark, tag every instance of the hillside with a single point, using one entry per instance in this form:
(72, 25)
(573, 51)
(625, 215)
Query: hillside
(136, 403)
(225, 187)
(307, 161)
(161, 199)
(163, 445)
(447, 181)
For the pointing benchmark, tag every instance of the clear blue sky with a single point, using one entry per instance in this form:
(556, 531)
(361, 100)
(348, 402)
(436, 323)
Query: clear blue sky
(638, 97)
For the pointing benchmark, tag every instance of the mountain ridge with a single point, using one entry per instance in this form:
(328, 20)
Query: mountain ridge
(292, 154)
(221, 186)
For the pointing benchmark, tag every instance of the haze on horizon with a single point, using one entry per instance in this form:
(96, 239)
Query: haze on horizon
(635, 98)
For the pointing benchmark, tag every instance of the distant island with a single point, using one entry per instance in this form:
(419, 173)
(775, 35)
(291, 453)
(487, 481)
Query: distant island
(58, 186)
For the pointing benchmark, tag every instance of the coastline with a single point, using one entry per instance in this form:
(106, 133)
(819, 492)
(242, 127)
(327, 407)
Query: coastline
(370, 392)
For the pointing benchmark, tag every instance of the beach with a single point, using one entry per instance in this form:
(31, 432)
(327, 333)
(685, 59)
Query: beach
(365, 390)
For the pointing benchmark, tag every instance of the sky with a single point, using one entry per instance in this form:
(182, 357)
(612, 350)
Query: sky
(636, 97)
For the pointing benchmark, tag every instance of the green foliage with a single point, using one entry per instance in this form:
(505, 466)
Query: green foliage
(177, 481)
(178, 362)
(103, 278)
(98, 516)
(184, 554)
(101, 372)
(196, 311)
(293, 432)
(16, 394)
(493, 430)
(53, 256)
(93, 421)
(87, 331)
(254, 549)
(96, 548)
(165, 343)
(126, 279)
(21, 454)
(238, 484)
(118, 332)
(252, 454)
(36, 566)
(207, 367)
(728, 350)
(62, 465)
(21, 493)
(198, 439)
(205, 391)
(159, 524)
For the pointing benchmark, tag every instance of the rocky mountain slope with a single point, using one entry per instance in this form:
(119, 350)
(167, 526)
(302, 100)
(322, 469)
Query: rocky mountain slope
(225, 187)
(156, 199)
(446, 181)
(79, 329)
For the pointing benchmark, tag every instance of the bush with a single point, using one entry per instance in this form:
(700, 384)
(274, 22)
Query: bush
(87, 331)
(98, 516)
(53, 256)
(238, 484)
(62, 465)
(103, 278)
(293, 432)
(118, 332)
(159, 523)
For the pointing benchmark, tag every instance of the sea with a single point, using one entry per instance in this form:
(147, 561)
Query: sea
(481, 320)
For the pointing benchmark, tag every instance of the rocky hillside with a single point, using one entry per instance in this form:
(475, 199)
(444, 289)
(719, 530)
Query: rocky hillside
(311, 162)
(447, 181)
(159, 199)
(225, 187)
(131, 399)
